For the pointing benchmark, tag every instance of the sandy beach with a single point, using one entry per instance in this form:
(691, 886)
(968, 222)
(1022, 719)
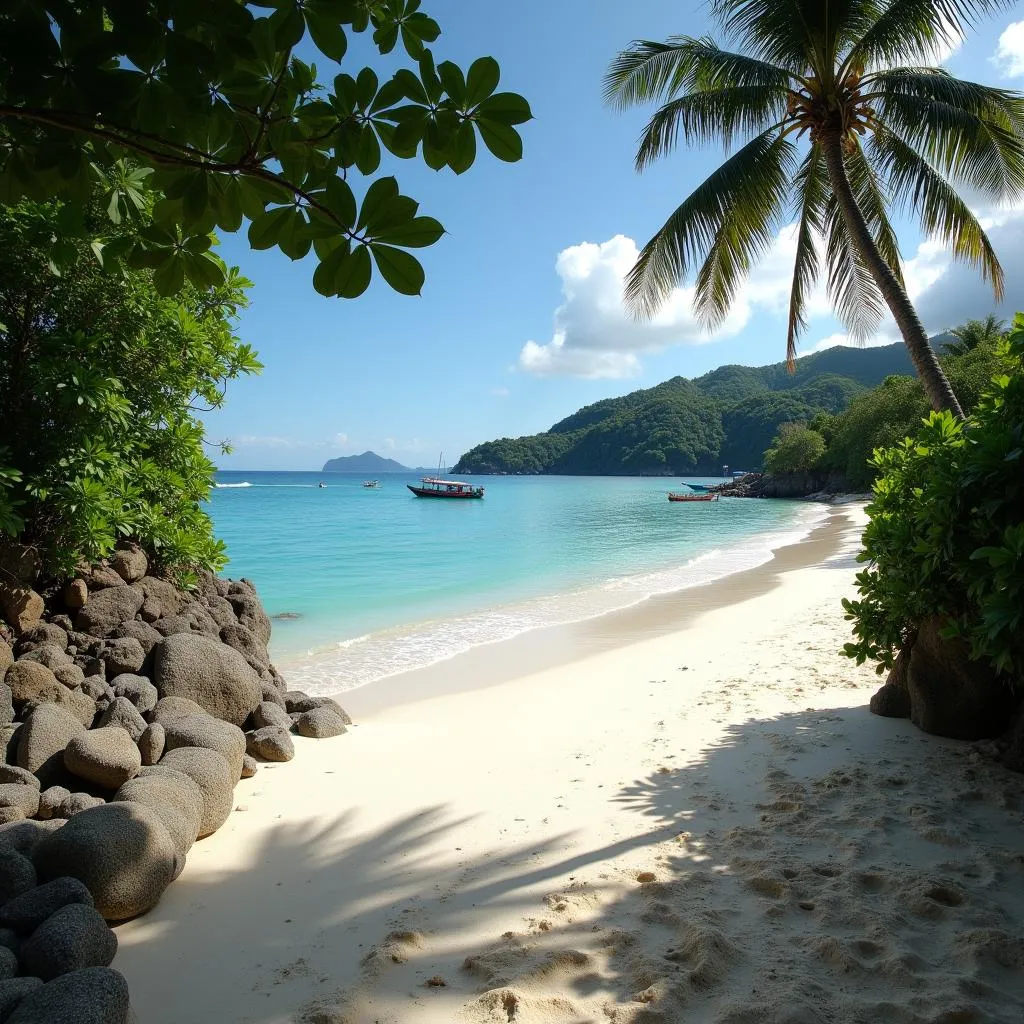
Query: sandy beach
(679, 813)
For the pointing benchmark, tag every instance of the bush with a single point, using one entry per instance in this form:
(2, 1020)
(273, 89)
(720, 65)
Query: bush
(796, 449)
(946, 535)
(101, 387)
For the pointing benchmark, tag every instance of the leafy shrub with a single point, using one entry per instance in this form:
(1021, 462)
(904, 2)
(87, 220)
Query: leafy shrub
(101, 387)
(796, 449)
(946, 535)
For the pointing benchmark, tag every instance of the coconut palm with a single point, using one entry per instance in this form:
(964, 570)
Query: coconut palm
(968, 336)
(833, 117)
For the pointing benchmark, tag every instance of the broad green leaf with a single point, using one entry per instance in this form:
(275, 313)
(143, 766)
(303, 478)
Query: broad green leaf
(452, 80)
(368, 151)
(463, 148)
(506, 107)
(374, 201)
(266, 229)
(340, 201)
(327, 33)
(366, 87)
(400, 269)
(482, 80)
(287, 27)
(503, 141)
(353, 276)
(170, 275)
(415, 234)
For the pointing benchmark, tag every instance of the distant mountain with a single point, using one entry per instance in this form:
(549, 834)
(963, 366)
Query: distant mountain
(368, 462)
(727, 417)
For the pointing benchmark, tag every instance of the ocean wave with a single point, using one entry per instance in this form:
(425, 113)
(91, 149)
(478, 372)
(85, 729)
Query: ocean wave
(244, 483)
(354, 662)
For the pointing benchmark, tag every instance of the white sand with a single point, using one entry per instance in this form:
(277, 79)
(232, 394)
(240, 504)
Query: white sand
(704, 827)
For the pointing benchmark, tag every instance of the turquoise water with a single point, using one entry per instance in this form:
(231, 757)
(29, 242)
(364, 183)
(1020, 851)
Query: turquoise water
(374, 582)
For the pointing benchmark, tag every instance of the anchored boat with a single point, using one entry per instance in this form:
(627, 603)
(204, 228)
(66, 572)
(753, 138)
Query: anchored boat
(435, 487)
(677, 496)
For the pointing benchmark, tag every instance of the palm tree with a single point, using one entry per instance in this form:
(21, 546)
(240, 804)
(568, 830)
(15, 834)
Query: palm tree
(835, 119)
(968, 336)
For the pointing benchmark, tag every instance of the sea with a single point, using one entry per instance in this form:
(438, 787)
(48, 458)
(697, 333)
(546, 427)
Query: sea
(362, 584)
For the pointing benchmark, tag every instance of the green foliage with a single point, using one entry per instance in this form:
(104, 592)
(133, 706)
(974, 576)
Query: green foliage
(829, 109)
(796, 449)
(973, 333)
(207, 107)
(101, 386)
(727, 416)
(946, 535)
(884, 416)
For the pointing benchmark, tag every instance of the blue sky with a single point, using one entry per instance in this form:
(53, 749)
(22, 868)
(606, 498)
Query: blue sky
(520, 321)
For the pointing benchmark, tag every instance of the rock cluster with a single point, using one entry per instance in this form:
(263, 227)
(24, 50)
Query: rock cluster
(129, 710)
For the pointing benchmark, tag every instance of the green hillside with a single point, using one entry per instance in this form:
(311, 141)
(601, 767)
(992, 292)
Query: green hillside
(729, 416)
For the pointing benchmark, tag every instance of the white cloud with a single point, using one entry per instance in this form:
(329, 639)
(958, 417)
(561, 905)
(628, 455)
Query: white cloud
(831, 342)
(594, 336)
(256, 441)
(1009, 55)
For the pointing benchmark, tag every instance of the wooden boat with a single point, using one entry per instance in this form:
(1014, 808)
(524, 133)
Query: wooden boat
(371, 483)
(676, 496)
(435, 487)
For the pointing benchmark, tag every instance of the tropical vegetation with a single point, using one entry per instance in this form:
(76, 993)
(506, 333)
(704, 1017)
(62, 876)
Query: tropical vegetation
(946, 536)
(102, 386)
(970, 335)
(217, 112)
(729, 415)
(834, 112)
(796, 449)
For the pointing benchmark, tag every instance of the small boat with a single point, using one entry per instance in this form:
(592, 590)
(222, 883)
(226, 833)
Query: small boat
(435, 487)
(697, 488)
(321, 484)
(371, 483)
(677, 496)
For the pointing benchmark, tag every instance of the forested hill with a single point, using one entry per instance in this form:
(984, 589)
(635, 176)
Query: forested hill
(728, 416)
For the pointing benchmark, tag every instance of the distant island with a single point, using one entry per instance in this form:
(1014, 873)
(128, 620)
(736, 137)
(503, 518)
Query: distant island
(368, 462)
(727, 417)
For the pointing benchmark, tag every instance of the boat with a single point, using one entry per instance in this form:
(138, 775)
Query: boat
(678, 496)
(321, 484)
(435, 487)
(696, 488)
(371, 483)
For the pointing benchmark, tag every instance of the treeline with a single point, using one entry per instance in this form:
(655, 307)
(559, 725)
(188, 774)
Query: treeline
(728, 416)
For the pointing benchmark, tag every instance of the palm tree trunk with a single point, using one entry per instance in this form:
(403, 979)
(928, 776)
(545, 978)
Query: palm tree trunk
(922, 355)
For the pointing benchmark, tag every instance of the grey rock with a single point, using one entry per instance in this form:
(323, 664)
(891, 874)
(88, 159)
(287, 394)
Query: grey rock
(84, 643)
(270, 693)
(250, 766)
(6, 657)
(97, 687)
(92, 667)
(9, 742)
(43, 633)
(72, 939)
(272, 743)
(76, 803)
(14, 794)
(221, 611)
(175, 798)
(107, 609)
(141, 631)
(12, 992)
(11, 773)
(70, 675)
(6, 705)
(267, 713)
(9, 814)
(95, 995)
(123, 714)
(214, 777)
(49, 655)
(10, 939)
(173, 625)
(169, 708)
(8, 963)
(209, 732)
(122, 654)
(63, 621)
(101, 576)
(107, 757)
(245, 641)
(304, 703)
(51, 801)
(42, 740)
(121, 851)
(215, 676)
(250, 614)
(138, 689)
(201, 621)
(27, 911)
(17, 875)
(130, 563)
(30, 681)
(22, 607)
(320, 723)
(152, 743)
(25, 836)
(162, 595)
(75, 594)
(293, 697)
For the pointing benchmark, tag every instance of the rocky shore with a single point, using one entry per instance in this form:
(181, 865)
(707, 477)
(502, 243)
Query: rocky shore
(129, 711)
(832, 490)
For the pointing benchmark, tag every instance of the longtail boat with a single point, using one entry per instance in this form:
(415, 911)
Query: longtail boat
(676, 496)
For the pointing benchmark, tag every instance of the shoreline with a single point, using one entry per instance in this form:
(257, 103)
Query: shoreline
(550, 647)
(705, 825)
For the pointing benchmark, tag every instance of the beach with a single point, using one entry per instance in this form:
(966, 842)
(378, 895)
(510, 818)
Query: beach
(681, 811)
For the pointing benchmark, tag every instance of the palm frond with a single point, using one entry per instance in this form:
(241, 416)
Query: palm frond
(812, 187)
(979, 145)
(701, 117)
(852, 289)
(943, 214)
(873, 200)
(911, 31)
(724, 224)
